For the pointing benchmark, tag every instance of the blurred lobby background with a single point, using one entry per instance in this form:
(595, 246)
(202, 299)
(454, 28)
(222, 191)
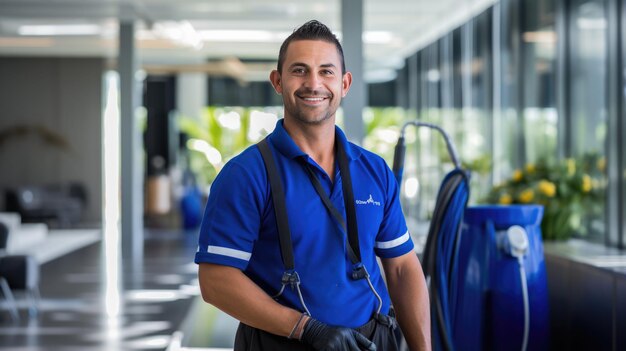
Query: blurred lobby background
(116, 115)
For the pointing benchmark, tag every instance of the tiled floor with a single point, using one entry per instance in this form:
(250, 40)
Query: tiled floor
(158, 296)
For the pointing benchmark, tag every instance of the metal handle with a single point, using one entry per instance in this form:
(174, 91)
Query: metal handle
(451, 150)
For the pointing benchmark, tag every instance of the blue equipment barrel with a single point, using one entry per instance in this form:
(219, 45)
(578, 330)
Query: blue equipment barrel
(488, 303)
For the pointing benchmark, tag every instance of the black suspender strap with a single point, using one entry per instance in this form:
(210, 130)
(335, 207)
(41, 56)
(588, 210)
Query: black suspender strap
(290, 276)
(351, 230)
(348, 198)
(331, 208)
(280, 208)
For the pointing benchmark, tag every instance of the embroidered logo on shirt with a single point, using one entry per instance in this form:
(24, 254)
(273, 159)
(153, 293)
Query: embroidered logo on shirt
(368, 201)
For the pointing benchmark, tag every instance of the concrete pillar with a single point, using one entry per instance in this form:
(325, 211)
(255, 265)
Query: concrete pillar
(352, 42)
(191, 93)
(131, 161)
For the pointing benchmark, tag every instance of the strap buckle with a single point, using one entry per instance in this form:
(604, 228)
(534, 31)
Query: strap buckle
(359, 272)
(293, 279)
(385, 320)
(290, 277)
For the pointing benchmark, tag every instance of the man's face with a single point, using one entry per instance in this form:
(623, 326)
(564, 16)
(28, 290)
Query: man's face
(311, 81)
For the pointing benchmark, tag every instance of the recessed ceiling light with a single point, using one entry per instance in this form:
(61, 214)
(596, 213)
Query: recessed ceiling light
(377, 37)
(241, 35)
(61, 29)
(181, 32)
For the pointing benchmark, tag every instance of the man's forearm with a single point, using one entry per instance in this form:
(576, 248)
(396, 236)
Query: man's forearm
(409, 294)
(231, 291)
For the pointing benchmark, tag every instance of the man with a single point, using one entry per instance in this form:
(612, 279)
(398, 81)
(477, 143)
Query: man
(241, 262)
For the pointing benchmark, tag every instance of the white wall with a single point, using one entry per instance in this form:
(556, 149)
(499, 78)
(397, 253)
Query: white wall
(63, 95)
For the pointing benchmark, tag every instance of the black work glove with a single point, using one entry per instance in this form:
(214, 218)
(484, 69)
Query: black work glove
(326, 338)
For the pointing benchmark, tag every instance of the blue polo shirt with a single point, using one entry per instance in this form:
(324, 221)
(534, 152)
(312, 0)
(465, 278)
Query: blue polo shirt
(239, 228)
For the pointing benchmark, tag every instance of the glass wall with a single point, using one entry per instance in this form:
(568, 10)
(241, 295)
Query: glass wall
(588, 103)
(522, 90)
(475, 146)
(538, 67)
(429, 110)
(588, 75)
(508, 150)
(618, 237)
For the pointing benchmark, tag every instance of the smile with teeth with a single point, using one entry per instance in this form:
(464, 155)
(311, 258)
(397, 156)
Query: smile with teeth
(313, 98)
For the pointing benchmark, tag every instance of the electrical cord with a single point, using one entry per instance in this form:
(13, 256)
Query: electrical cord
(522, 272)
(515, 243)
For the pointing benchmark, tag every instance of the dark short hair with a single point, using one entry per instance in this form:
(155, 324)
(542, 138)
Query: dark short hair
(312, 30)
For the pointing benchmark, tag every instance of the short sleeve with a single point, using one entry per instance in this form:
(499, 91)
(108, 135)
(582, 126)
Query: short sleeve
(393, 237)
(232, 217)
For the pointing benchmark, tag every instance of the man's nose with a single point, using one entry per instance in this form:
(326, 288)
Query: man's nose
(312, 80)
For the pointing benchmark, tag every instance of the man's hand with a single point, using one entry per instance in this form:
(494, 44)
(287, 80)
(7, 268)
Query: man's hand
(326, 338)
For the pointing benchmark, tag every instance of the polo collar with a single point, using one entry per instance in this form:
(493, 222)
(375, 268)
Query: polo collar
(283, 142)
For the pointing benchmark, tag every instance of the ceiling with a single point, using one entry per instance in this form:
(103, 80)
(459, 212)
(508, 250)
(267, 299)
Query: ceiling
(188, 33)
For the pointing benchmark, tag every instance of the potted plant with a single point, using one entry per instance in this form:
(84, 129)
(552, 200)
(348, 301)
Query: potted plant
(570, 190)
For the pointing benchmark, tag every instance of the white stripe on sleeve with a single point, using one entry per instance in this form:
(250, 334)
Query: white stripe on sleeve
(393, 243)
(225, 251)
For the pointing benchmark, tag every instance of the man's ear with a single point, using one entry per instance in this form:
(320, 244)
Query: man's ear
(276, 82)
(346, 82)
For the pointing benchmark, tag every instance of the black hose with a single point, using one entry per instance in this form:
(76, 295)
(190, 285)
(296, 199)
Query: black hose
(398, 159)
(430, 266)
(444, 199)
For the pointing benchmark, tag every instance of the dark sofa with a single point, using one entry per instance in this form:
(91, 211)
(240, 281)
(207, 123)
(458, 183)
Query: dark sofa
(59, 205)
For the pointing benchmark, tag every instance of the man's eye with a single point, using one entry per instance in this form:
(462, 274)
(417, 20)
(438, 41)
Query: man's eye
(327, 72)
(298, 70)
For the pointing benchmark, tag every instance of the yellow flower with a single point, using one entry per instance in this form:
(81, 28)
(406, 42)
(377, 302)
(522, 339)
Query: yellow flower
(586, 186)
(547, 188)
(601, 164)
(505, 199)
(526, 196)
(530, 168)
(595, 184)
(571, 166)
(517, 175)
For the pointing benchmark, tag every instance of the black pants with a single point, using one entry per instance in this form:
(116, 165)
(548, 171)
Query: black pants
(382, 330)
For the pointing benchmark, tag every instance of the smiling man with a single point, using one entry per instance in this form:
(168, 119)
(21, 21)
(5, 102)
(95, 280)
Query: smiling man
(293, 225)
